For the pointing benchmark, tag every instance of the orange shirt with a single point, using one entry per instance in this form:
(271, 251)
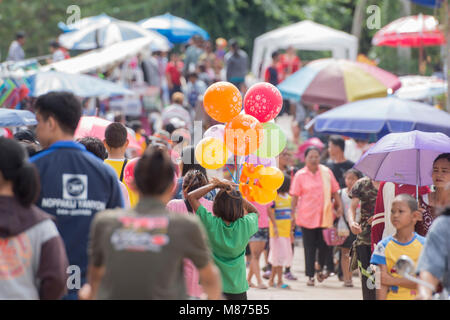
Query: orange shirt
(308, 187)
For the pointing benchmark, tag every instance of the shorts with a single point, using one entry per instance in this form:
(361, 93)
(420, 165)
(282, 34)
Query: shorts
(261, 235)
(348, 242)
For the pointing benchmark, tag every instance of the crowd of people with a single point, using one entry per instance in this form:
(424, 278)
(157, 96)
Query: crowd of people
(178, 231)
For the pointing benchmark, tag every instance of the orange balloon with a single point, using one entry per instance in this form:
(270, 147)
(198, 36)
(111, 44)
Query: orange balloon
(243, 135)
(222, 101)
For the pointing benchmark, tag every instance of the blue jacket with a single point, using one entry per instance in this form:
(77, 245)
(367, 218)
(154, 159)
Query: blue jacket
(75, 185)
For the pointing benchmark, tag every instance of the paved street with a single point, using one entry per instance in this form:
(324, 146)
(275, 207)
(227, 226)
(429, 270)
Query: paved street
(330, 289)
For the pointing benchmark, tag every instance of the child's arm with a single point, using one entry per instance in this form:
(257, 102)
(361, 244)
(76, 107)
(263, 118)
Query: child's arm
(194, 196)
(382, 292)
(272, 220)
(388, 280)
(249, 207)
(354, 226)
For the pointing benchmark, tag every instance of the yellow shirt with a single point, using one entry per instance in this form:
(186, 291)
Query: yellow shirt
(117, 165)
(283, 211)
(387, 252)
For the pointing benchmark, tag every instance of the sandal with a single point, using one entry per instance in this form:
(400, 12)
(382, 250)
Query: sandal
(348, 284)
(310, 282)
(261, 286)
(251, 285)
(284, 286)
(320, 277)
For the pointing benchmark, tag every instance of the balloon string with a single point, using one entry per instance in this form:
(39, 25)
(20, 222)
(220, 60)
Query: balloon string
(234, 180)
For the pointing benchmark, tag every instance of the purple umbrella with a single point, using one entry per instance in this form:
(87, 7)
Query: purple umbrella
(405, 157)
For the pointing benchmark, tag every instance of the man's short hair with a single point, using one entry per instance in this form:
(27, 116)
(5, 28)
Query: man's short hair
(20, 35)
(275, 54)
(54, 44)
(64, 107)
(95, 146)
(178, 97)
(338, 141)
(116, 135)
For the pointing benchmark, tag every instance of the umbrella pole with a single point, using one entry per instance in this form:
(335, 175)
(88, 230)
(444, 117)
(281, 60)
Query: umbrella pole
(417, 174)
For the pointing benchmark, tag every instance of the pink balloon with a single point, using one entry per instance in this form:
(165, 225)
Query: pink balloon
(254, 159)
(216, 131)
(263, 101)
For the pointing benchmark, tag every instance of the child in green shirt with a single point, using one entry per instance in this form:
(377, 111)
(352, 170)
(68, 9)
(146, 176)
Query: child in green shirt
(235, 221)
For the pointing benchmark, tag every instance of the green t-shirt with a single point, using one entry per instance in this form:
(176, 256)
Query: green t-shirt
(228, 244)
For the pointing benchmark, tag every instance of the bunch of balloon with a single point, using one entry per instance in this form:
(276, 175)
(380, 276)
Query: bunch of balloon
(243, 134)
(260, 183)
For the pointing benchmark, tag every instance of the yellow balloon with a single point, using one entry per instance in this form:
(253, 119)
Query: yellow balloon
(264, 196)
(211, 153)
(271, 178)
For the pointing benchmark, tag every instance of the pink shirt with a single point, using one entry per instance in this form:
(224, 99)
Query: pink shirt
(191, 275)
(308, 187)
(263, 209)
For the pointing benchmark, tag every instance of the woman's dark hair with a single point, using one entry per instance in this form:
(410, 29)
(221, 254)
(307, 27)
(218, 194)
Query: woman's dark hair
(228, 205)
(357, 173)
(15, 167)
(193, 180)
(311, 148)
(189, 161)
(154, 172)
(442, 156)
(95, 146)
(286, 184)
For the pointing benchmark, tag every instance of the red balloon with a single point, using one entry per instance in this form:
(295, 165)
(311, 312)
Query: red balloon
(263, 101)
(23, 91)
(128, 173)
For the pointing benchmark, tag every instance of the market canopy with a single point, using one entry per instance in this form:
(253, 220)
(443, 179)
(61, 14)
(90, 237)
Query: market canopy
(107, 57)
(304, 35)
(176, 29)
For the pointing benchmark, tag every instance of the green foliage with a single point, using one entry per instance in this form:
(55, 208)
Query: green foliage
(240, 19)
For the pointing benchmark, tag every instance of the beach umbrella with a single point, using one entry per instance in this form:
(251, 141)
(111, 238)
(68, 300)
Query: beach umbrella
(419, 87)
(104, 33)
(405, 158)
(375, 118)
(333, 82)
(96, 127)
(412, 31)
(79, 84)
(429, 3)
(82, 23)
(16, 118)
(176, 29)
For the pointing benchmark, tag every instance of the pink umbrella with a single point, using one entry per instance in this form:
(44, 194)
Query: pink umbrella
(413, 31)
(95, 127)
(308, 143)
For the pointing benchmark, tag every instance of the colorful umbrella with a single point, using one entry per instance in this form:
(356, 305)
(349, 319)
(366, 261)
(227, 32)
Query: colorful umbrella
(16, 118)
(411, 31)
(381, 116)
(405, 157)
(333, 82)
(418, 87)
(103, 33)
(176, 29)
(79, 84)
(95, 127)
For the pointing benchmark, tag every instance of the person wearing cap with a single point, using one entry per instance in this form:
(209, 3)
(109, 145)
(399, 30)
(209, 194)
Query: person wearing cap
(236, 64)
(15, 52)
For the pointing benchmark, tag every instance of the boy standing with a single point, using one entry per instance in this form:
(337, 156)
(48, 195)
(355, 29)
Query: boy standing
(404, 215)
(116, 144)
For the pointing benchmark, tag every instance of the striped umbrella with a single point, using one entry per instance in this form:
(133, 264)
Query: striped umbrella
(103, 33)
(333, 82)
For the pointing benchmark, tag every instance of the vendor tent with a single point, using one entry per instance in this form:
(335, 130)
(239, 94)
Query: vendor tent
(106, 57)
(304, 35)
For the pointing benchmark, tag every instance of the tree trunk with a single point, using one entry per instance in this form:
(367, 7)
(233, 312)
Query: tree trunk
(358, 18)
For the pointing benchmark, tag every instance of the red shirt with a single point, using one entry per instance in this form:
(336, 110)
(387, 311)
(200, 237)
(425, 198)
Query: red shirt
(174, 73)
(287, 67)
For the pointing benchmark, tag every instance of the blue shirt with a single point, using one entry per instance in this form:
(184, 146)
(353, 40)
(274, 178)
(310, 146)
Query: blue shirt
(75, 185)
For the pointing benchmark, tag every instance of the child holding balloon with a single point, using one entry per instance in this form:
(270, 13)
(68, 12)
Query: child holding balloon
(280, 254)
(235, 221)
